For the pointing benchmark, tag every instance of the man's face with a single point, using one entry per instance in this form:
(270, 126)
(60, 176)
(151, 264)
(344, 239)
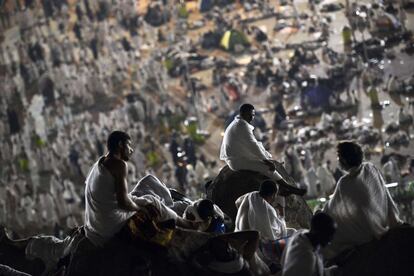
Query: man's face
(126, 150)
(249, 115)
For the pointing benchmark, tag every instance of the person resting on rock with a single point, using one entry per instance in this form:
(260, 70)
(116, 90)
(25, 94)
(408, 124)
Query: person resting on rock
(302, 254)
(151, 185)
(361, 204)
(255, 212)
(245, 243)
(209, 215)
(241, 150)
(108, 206)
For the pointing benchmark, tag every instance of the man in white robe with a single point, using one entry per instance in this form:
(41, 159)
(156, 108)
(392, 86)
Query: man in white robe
(391, 170)
(302, 254)
(312, 182)
(241, 150)
(255, 212)
(361, 204)
(393, 84)
(326, 180)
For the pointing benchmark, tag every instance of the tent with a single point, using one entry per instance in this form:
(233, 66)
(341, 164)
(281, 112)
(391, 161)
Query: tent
(318, 96)
(211, 40)
(231, 38)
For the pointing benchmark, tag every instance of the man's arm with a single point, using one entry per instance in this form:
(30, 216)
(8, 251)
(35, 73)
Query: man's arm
(255, 147)
(120, 173)
(393, 216)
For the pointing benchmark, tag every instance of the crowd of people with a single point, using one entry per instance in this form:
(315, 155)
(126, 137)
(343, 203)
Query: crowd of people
(67, 83)
(149, 213)
(73, 72)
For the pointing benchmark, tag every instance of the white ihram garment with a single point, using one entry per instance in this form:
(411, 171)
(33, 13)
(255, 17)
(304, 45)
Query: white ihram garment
(362, 207)
(301, 258)
(151, 185)
(103, 217)
(326, 179)
(254, 213)
(241, 150)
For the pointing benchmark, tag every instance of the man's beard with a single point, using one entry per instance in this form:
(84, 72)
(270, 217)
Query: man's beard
(125, 157)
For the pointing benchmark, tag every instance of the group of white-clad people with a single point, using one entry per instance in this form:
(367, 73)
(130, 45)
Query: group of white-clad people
(52, 81)
(360, 210)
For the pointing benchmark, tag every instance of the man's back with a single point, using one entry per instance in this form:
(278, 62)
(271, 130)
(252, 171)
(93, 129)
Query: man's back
(239, 142)
(362, 207)
(300, 258)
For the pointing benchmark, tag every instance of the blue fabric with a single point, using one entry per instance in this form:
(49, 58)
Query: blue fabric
(318, 96)
(206, 5)
(220, 228)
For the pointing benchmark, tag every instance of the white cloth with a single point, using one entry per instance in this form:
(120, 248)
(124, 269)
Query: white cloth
(241, 150)
(239, 143)
(151, 185)
(103, 217)
(165, 213)
(326, 180)
(229, 267)
(312, 182)
(362, 207)
(300, 258)
(391, 171)
(47, 248)
(393, 85)
(254, 213)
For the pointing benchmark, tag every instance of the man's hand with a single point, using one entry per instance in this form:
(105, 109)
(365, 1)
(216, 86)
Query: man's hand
(270, 164)
(188, 224)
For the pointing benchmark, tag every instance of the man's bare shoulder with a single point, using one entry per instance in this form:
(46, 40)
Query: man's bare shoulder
(114, 165)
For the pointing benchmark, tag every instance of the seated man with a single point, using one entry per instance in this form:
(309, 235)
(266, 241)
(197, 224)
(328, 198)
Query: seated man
(361, 204)
(241, 151)
(255, 212)
(108, 205)
(302, 256)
